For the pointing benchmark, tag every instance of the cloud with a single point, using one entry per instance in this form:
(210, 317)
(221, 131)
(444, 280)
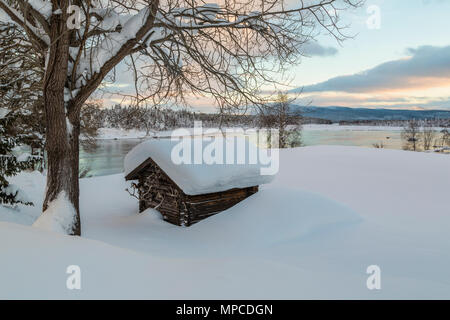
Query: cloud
(324, 99)
(316, 49)
(426, 67)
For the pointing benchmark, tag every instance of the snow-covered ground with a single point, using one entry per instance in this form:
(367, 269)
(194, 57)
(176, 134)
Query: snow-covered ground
(338, 127)
(113, 133)
(329, 214)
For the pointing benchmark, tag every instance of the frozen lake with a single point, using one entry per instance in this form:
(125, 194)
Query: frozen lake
(108, 156)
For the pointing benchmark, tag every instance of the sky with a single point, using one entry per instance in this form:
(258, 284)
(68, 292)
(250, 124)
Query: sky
(398, 58)
(401, 62)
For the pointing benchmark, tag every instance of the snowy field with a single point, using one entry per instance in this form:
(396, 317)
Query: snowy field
(311, 233)
(112, 133)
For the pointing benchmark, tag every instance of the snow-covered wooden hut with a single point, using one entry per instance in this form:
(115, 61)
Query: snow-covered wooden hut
(185, 191)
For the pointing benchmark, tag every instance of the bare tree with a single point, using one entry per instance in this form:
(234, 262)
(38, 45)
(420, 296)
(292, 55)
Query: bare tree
(175, 47)
(445, 138)
(428, 135)
(411, 135)
(148, 118)
(280, 115)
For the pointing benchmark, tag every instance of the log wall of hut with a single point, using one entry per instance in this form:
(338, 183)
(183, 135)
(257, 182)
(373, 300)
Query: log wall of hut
(205, 205)
(158, 191)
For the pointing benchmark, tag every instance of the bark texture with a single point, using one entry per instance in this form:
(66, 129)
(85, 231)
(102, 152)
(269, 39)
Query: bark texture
(62, 127)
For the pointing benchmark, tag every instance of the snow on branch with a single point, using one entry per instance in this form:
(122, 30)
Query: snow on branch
(97, 56)
(99, 59)
(43, 7)
(37, 28)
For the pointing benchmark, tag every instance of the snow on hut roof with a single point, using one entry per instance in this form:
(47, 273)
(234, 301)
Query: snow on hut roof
(237, 170)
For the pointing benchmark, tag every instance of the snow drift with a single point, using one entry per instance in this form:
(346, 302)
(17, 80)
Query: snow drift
(329, 214)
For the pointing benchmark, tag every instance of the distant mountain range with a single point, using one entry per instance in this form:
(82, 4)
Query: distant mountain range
(337, 114)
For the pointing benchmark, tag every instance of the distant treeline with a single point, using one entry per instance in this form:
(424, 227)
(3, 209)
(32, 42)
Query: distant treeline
(155, 119)
(437, 122)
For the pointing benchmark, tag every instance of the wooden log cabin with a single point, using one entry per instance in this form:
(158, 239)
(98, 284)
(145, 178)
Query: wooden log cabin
(187, 193)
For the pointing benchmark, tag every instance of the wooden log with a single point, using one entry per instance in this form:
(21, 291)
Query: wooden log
(220, 195)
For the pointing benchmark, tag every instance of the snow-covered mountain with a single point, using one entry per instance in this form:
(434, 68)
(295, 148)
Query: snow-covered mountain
(351, 114)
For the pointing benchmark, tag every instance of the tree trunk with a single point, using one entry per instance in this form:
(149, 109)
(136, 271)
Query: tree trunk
(63, 128)
(63, 164)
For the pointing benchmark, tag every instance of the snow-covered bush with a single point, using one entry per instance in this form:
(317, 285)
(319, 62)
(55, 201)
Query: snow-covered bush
(10, 165)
